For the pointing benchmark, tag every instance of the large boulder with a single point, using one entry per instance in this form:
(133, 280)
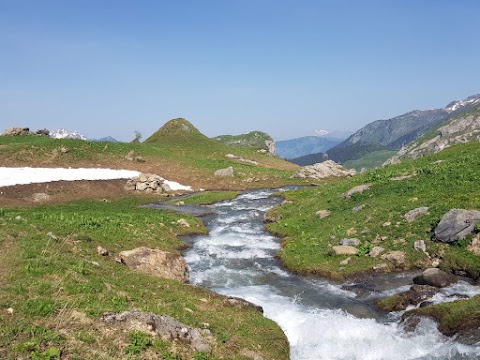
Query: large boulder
(435, 277)
(456, 225)
(323, 170)
(16, 131)
(156, 262)
(164, 326)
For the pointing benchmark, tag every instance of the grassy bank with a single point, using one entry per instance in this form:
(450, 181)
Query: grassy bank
(442, 181)
(54, 287)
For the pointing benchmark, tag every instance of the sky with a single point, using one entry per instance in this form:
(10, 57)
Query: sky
(286, 67)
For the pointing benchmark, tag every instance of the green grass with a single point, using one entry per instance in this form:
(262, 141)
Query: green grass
(452, 183)
(370, 161)
(208, 197)
(58, 286)
(255, 140)
(182, 156)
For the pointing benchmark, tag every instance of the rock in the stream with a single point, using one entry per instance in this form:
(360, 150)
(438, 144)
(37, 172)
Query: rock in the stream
(164, 326)
(435, 277)
(156, 262)
(456, 225)
(416, 295)
(412, 215)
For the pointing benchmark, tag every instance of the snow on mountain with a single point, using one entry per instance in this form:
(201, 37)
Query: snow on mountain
(455, 105)
(64, 134)
(321, 132)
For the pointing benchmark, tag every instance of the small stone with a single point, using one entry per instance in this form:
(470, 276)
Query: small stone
(387, 223)
(102, 251)
(412, 215)
(351, 231)
(345, 250)
(358, 208)
(19, 218)
(184, 223)
(52, 236)
(141, 186)
(376, 251)
(346, 261)
(356, 190)
(381, 266)
(180, 203)
(94, 263)
(397, 257)
(420, 246)
(228, 172)
(204, 300)
(10, 311)
(435, 263)
(350, 242)
(188, 310)
(323, 213)
(41, 197)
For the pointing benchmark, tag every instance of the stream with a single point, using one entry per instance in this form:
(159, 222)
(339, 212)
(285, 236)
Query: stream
(322, 319)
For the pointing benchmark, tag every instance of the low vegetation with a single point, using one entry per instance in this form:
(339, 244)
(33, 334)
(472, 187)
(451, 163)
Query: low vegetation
(54, 287)
(208, 197)
(370, 161)
(441, 182)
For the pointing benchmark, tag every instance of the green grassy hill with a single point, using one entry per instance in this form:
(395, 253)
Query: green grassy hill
(452, 183)
(255, 140)
(177, 151)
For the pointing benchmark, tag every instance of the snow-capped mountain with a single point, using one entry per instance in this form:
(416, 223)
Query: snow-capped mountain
(64, 134)
(321, 132)
(455, 105)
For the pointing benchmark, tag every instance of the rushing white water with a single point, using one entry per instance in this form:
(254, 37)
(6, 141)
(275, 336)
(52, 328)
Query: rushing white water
(321, 319)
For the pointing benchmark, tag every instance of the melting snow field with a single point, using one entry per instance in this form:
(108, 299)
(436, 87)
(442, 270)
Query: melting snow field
(28, 175)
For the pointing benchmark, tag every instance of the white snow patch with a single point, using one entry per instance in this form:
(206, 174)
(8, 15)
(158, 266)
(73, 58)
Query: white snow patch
(28, 175)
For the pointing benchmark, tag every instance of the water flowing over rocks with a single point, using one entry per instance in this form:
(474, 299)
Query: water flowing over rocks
(456, 225)
(156, 262)
(323, 170)
(164, 326)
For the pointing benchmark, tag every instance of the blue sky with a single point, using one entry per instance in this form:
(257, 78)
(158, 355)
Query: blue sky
(110, 67)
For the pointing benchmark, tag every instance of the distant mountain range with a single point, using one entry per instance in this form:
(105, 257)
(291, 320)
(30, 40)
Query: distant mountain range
(64, 134)
(106, 139)
(385, 136)
(295, 148)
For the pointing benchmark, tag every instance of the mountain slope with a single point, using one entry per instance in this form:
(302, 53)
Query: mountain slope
(463, 128)
(295, 148)
(394, 133)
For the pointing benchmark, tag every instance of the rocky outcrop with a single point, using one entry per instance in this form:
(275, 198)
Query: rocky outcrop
(228, 172)
(396, 257)
(147, 183)
(461, 129)
(435, 277)
(356, 190)
(376, 251)
(156, 262)
(456, 225)
(163, 326)
(242, 303)
(323, 170)
(412, 215)
(17, 131)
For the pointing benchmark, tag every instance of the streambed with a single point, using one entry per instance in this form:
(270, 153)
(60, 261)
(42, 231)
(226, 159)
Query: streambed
(321, 319)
